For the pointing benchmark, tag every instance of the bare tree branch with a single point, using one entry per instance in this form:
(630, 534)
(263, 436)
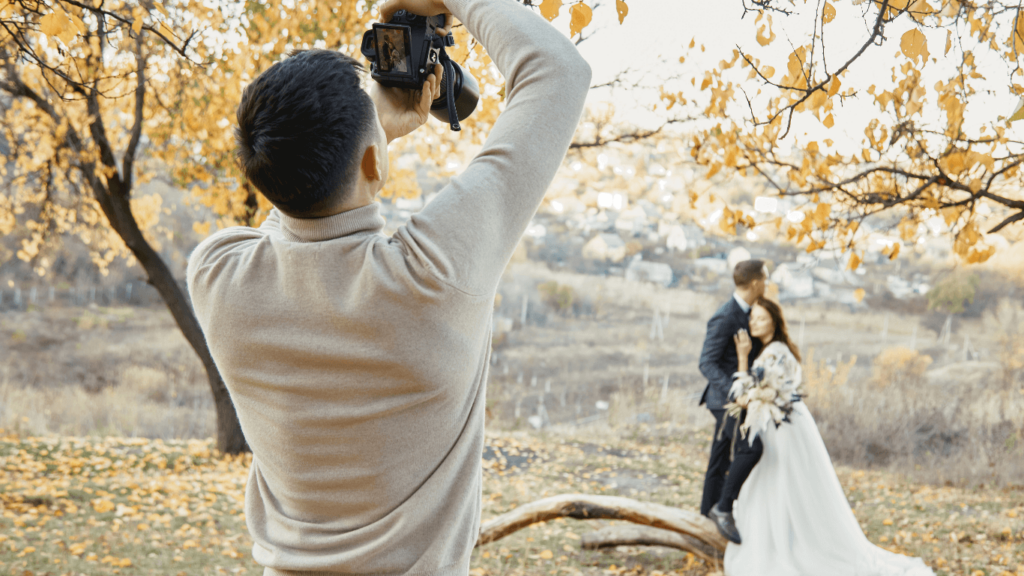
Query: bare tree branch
(127, 163)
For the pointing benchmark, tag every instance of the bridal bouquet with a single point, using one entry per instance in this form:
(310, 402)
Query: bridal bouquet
(767, 394)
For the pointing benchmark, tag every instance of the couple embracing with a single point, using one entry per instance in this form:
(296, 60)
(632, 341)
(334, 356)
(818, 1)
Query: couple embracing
(770, 487)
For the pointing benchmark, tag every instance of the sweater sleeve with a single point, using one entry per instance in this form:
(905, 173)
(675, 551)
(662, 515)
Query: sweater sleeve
(468, 232)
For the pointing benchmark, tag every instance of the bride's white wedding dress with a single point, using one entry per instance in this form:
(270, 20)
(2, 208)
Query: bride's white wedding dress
(792, 512)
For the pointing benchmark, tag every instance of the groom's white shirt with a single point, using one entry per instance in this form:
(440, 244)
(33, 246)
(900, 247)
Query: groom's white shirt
(743, 303)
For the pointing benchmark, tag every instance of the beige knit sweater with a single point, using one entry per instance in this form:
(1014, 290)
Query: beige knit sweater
(357, 363)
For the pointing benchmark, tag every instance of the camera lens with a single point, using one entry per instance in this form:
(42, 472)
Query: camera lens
(466, 91)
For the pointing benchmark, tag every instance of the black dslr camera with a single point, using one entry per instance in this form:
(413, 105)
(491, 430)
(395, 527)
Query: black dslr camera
(403, 52)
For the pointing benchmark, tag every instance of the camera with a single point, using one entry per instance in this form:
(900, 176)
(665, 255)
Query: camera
(403, 52)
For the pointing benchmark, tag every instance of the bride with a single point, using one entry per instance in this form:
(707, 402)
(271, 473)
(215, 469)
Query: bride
(792, 511)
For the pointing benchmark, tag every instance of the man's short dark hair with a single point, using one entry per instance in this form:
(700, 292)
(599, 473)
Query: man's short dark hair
(747, 272)
(302, 127)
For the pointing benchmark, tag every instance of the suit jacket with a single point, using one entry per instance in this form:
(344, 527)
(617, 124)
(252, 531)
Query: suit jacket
(718, 360)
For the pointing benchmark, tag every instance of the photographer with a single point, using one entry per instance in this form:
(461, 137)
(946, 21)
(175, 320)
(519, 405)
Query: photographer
(357, 363)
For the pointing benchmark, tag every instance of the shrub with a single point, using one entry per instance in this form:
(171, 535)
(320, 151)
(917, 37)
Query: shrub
(900, 367)
(822, 381)
(953, 294)
(559, 297)
(1005, 322)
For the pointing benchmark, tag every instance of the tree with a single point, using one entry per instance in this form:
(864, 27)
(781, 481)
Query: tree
(83, 86)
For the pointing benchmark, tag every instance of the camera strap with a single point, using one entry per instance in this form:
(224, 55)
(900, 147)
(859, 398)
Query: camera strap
(449, 72)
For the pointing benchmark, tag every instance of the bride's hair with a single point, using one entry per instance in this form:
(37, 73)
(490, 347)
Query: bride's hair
(781, 333)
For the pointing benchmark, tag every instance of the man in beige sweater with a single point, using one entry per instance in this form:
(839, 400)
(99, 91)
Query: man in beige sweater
(357, 363)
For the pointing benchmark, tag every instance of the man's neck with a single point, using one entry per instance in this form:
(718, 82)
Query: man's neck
(361, 196)
(747, 296)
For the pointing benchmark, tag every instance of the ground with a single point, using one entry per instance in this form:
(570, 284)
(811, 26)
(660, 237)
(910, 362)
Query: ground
(75, 506)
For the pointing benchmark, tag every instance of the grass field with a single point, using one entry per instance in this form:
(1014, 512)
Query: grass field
(71, 506)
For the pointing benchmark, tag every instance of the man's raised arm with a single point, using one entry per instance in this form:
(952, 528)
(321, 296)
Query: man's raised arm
(468, 233)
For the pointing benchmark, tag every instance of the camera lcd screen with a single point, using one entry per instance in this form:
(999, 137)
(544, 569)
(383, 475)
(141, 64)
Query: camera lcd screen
(393, 50)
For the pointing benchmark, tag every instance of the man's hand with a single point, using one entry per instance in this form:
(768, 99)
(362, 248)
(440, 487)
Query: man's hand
(420, 8)
(402, 111)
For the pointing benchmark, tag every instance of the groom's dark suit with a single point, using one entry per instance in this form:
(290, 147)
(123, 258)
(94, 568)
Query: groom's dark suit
(718, 363)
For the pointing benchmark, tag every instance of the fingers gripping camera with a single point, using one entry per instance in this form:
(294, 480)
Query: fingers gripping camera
(403, 52)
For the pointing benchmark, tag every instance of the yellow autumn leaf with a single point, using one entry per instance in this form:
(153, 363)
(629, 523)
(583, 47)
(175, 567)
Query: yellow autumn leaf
(622, 9)
(821, 214)
(1018, 113)
(546, 555)
(828, 121)
(52, 24)
(914, 45)
(828, 13)
(68, 35)
(550, 8)
(858, 295)
(854, 262)
(833, 86)
(1018, 34)
(762, 38)
(949, 41)
(895, 251)
(79, 24)
(768, 71)
(581, 16)
(102, 505)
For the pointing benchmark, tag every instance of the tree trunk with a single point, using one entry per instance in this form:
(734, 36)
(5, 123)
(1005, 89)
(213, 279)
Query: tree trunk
(635, 535)
(588, 507)
(118, 211)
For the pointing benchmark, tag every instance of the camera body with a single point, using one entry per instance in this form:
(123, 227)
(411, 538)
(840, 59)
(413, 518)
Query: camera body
(403, 52)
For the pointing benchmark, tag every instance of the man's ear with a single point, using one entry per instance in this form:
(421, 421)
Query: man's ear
(371, 164)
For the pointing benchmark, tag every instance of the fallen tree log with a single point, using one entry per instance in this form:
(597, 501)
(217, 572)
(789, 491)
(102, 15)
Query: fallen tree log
(590, 507)
(639, 535)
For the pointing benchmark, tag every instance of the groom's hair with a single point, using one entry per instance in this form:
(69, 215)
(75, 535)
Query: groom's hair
(302, 127)
(747, 272)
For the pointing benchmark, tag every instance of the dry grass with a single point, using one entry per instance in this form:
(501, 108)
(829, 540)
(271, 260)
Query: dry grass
(145, 403)
(101, 371)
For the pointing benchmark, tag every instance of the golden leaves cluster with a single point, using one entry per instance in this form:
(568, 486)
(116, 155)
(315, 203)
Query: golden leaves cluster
(908, 163)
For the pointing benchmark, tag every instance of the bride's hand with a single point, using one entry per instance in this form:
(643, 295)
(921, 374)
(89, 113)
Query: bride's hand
(743, 345)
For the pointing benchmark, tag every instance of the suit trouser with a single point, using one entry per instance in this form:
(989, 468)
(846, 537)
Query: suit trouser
(724, 479)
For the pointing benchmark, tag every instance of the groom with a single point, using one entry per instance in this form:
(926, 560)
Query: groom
(718, 362)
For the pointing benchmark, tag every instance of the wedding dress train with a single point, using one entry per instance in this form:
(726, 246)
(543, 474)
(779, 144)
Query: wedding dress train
(794, 518)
